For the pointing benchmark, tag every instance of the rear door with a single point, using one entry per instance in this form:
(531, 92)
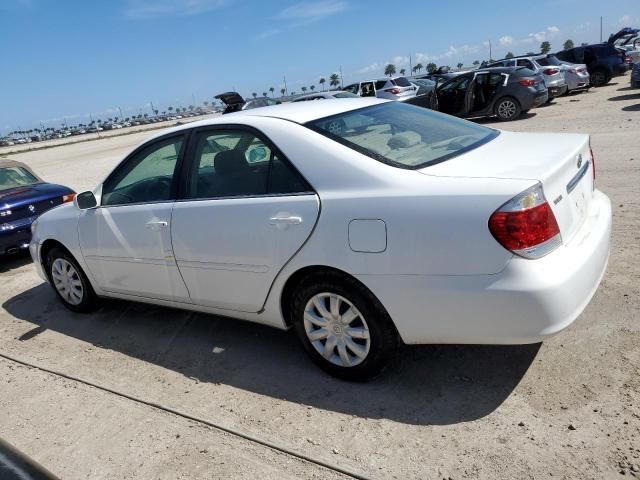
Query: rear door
(244, 213)
(453, 94)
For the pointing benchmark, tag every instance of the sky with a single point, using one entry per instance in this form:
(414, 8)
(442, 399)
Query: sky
(73, 60)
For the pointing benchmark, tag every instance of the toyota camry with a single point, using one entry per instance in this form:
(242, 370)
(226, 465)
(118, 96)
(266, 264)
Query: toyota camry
(358, 223)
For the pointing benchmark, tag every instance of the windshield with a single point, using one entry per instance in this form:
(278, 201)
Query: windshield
(12, 177)
(403, 135)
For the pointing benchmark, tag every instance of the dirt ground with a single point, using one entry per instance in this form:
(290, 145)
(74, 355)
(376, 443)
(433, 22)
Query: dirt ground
(568, 408)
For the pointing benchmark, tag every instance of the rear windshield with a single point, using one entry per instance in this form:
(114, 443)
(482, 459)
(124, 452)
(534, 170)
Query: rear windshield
(403, 135)
(546, 61)
(524, 72)
(402, 82)
(12, 177)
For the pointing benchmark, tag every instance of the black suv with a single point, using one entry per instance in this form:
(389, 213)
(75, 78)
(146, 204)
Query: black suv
(603, 60)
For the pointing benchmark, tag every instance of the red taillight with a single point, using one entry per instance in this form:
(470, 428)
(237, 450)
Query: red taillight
(628, 59)
(527, 83)
(550, 71)
(68, 198)
(395, 91)
(526, 225)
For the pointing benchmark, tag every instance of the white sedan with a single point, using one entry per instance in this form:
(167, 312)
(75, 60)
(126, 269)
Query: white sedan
(359, 223)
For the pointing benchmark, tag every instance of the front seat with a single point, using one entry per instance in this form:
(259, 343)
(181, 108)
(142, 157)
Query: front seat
(234, 176)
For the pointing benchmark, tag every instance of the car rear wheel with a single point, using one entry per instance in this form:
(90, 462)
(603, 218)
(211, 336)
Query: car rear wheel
(508, 108)
(599, 78)
(343, 327)
(69, 281)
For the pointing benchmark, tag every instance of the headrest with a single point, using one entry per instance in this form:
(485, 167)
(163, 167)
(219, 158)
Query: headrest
(230, 161)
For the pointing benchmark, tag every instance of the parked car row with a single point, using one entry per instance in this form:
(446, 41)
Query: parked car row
(95, 128)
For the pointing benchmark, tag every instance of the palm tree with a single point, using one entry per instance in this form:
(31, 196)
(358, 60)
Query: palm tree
(322, 82)
(476, 62)
(402, 71)
(334, 80)
(254, 94)
(460, 65)
(312, 87)
(271, 89)
(282, 91)
(304, 89)
(390, 69)
(264, 94)
(419, 67)
(431, 67)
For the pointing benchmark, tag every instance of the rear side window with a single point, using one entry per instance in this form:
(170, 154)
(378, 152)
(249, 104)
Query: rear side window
(380, 84)
(237, 163)
(403, 135)
(523, 62)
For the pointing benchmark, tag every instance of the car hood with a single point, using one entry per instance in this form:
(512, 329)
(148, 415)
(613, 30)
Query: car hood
(626, 34)
(31, 193)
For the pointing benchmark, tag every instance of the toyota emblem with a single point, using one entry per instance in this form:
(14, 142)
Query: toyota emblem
(32, 209)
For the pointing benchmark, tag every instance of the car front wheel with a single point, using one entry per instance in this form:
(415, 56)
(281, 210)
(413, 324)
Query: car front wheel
(343, 327)
(507, 109)
(69, 281)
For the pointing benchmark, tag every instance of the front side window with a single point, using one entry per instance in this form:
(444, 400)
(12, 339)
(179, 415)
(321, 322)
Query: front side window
(12, 177)
(404, 135)
(237, 163)
(146, 176)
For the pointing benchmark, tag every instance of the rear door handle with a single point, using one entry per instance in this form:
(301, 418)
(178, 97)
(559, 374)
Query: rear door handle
(289, 220)
(157, 224)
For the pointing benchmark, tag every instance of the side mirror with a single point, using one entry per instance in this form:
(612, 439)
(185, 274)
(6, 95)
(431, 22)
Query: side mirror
(86, 200)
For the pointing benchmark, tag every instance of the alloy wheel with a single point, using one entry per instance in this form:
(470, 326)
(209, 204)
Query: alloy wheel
(336, 329)
(507, 109)
(67, 281)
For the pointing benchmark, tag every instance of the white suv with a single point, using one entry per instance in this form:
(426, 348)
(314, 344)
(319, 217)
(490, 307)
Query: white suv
(398, 88)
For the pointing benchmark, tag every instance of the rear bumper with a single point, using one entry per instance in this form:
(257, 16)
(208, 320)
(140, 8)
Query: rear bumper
(15, 236)
(539, 98)
(556, 91)
(525, 303)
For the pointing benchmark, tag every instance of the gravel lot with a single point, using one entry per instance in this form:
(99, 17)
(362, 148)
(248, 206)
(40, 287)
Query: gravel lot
(567, 408)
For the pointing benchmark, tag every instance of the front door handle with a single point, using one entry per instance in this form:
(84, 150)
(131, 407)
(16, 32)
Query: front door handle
(289, 220)
(155, 224)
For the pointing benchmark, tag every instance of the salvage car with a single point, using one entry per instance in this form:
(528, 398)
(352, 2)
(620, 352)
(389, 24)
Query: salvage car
(421, 228)
(24, 196)
(505, 93)
(553, 76)
(234, 102)
(398, 88)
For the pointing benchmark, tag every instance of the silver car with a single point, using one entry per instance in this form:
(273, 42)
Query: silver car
(553, 76)
(576, 74)
(398, 88)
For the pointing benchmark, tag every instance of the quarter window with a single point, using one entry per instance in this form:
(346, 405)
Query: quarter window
(145, 177)
(238, 163)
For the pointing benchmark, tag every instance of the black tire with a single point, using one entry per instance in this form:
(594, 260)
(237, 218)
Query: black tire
(383, 336)
(507, 108)
(599, 78)
(89, 301)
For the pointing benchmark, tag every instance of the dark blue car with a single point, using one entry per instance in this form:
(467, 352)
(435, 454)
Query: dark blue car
(24, 196)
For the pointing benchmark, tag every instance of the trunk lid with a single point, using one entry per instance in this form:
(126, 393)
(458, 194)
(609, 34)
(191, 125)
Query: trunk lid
(561, 163)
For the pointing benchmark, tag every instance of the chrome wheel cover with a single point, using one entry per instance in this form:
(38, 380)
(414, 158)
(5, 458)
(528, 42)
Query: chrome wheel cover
(507, 109)
(337, 330)
(66, 281)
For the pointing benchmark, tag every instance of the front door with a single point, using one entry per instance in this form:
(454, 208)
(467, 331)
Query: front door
(452, 96)
(126, 240)
(246, 212)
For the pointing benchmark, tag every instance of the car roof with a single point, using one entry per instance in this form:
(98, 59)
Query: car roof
(298, 112)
